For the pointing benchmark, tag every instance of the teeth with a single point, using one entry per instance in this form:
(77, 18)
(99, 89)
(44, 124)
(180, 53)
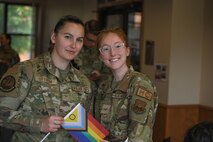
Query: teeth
(113, 60)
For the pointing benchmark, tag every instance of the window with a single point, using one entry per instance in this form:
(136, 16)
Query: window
(17, 20)
(1, 17)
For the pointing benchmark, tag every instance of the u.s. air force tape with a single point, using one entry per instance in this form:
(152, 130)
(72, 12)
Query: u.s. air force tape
(7, 83)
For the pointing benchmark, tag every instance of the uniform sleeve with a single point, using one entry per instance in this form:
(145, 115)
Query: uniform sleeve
(142, 110)
(14, 87)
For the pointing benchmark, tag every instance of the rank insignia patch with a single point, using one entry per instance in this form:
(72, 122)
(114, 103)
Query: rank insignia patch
(144, 93)
(7, 83)
(139, 106)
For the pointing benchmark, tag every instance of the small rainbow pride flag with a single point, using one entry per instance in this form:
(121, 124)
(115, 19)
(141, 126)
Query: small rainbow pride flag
(83, 126)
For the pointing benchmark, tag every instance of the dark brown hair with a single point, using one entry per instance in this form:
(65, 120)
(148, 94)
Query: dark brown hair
(92, 26)
(201, 132)
(68, 18)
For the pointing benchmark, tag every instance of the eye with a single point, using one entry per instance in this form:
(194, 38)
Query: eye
(67, 36)
(119, 45)
(105, 48)
(80, 40)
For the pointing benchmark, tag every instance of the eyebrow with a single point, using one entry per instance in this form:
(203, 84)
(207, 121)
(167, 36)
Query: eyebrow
(72, 35)
(113, 43)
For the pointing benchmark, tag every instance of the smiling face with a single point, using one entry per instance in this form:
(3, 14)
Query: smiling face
(68, 42)
(116, 56)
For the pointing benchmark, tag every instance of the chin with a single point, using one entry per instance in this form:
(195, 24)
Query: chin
(114, 67)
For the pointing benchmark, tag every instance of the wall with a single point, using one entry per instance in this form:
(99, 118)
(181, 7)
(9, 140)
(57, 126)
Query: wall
(186, 51)
(157, 27)
(206, 93)
(182, 31)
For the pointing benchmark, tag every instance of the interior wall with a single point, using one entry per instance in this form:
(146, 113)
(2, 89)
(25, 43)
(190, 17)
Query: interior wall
(157, 27)
(186, 51)
(188, 33)
(90, 10)
(182, 32)
(206, 97)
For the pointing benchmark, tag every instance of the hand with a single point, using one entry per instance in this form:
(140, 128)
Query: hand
(94, 75)
(51, 124)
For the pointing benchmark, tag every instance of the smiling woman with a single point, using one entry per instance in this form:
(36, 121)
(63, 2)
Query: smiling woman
(126, 102)
(49, 87)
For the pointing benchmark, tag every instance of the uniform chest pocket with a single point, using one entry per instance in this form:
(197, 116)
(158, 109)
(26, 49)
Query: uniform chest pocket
(81, 93)
(121, 106)
(118, 97)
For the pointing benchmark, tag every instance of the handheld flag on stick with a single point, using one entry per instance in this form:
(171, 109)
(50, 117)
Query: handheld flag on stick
(83, 126)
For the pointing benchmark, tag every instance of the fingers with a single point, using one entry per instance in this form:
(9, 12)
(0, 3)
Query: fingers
(57, 120)
(51, 124)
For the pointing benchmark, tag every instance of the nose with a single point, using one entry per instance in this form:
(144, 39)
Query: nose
(73, 43)
(112, 51)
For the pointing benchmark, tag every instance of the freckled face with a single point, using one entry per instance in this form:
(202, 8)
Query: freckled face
(68, 41)
(115, 60)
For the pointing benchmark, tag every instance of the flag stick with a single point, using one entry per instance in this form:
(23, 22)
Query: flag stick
(45, 137)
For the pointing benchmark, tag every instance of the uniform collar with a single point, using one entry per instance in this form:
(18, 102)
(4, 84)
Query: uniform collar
(123, 84)
(52, 69)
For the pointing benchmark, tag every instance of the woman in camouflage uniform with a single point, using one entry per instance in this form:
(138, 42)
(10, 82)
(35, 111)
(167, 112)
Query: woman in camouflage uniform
(126, 103)
(35, 95)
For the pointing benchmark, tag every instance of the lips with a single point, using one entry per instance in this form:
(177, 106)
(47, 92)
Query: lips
(71, 51)
(114, 60)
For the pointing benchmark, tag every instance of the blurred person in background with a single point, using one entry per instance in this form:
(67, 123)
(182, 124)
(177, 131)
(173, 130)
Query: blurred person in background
(8, 56)
(88, 59)
(200, 132)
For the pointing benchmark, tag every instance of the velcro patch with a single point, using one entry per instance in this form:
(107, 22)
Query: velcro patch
(105, 109)
(139, 106)
(7, 83)
(144, 93)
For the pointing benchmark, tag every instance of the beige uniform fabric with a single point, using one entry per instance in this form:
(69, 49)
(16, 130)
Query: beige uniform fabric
(127, 108)
(36, 89)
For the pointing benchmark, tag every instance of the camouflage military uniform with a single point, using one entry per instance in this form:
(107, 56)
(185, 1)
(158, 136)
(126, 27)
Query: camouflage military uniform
(127, 108)
(88, 61)
(35, 89)
(8, 58)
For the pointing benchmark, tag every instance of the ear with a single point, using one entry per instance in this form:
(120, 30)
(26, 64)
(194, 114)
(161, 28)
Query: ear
(128, 51)
(53, 37)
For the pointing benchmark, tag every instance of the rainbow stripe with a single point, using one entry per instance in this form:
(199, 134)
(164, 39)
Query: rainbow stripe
(84, 128)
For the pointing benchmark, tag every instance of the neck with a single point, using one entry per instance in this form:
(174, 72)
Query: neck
(60, 63)
(120, 73)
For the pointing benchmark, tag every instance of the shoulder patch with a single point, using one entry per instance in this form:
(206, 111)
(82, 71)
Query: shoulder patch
(7, 83)
(144, 93)
(139, 106)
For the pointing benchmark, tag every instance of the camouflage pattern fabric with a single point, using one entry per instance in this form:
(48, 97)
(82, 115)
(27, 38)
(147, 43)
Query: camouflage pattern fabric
(8, 58)
(35, 89)
(88, 61)
(127, 108)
